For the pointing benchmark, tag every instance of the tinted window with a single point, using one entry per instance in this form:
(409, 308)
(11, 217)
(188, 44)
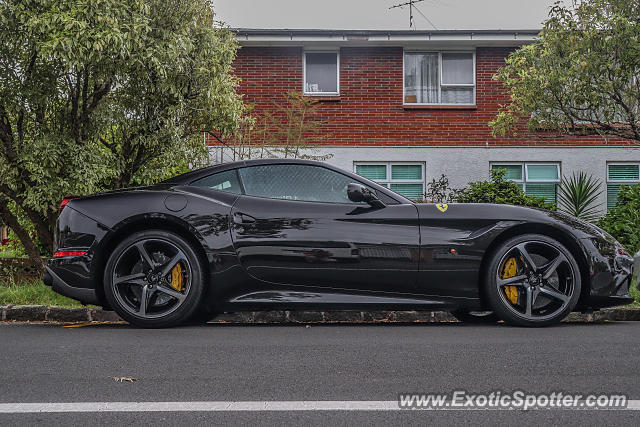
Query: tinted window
(223, 181)
(296, 182)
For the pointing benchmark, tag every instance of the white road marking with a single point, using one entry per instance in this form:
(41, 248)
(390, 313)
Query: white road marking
(249, 406)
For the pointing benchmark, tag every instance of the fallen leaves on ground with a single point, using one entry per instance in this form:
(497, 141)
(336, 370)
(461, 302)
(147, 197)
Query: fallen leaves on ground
(125, 379)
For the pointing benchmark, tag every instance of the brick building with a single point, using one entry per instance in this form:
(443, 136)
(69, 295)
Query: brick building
(403, 107)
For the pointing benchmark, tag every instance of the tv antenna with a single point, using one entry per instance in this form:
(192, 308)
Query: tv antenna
(411, 4)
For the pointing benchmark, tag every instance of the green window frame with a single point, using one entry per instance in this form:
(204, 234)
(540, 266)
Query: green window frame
(619, 174)
(405, 178)
(534, 178)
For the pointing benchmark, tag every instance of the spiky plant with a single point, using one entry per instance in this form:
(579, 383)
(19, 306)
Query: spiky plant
(578, 196)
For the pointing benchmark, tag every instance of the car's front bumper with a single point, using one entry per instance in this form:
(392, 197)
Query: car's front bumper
(610, 277)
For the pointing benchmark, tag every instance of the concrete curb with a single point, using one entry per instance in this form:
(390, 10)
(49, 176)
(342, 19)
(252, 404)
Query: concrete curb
(41, 313)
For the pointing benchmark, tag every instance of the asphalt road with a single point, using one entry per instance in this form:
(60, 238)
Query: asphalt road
(49, 363)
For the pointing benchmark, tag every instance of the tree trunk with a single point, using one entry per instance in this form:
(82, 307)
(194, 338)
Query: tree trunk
(12, 221)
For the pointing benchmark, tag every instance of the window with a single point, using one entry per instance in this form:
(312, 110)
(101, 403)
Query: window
(403, 178)
(321, 75)
(439, 78)
(296, 182)
(536, 179)
(223, 181)
(619, 174)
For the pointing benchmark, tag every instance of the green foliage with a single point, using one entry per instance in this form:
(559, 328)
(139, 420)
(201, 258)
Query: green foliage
(580, 76)
(102, 94)
(438, 191)
(578, 196)
(623, 221)
(498, 190)
(31, 292)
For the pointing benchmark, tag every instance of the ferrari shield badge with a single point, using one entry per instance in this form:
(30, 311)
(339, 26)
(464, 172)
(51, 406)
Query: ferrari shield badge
(442, 207)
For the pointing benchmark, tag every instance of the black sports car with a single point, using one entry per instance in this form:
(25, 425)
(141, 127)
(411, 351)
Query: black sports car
(295, 234)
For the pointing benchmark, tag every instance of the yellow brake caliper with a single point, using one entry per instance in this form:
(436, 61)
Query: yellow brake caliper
(176, 278)
(509, 270)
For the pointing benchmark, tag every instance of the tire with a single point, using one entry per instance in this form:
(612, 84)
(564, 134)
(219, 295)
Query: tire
(542, 288)
(202, 316)
(144, 267)
(475, 317)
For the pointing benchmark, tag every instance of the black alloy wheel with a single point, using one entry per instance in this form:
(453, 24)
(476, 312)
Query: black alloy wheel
(532, 280)
(154, 279)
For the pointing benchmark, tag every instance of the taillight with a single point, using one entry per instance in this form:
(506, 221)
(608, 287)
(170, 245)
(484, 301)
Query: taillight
(64, 203)
(68, 253)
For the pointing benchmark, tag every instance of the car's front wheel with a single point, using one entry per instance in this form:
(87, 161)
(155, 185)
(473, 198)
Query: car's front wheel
(475, 317)
(154, 279)
(532, 280)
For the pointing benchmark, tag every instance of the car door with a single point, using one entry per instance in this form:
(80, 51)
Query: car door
(295, 225)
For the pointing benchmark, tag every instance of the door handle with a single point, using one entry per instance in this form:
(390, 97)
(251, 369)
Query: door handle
(240, 218)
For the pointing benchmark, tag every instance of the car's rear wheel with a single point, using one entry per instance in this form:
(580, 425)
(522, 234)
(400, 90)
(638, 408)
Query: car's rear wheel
(154, 279)
(532, 280)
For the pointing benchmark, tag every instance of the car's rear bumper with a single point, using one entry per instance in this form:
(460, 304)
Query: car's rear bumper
(84, 295)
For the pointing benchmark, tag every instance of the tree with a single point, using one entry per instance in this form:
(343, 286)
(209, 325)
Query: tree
(581, 76)
(104, 94)
(290, 131)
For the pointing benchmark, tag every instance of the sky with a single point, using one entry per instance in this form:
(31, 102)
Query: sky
(376, 15)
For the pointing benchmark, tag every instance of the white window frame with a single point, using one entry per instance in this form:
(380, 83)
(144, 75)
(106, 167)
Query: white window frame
(619, 181)
(525, 172)
(440, 52)
(304, 73)
(622, 181)
(387, 182)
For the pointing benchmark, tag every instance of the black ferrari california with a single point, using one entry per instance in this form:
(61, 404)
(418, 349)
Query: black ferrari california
(299, 235)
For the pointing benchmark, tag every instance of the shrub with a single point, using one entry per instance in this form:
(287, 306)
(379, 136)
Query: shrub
(438, 191)
(623, 221)
(498, 190)
(578, 196)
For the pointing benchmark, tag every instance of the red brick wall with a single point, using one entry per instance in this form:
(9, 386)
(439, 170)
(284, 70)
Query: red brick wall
(369, 110)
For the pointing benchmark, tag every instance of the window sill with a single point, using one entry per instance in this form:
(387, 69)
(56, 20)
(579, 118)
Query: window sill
(438, 107)
(334, 98)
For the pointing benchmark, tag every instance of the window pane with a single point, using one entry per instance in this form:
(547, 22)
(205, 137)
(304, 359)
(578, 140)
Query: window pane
(546, 190)
(373, 172)
(322, 72)
(542, 172)
(296, 182)
(457, 68)
(612, 194)
(421, 78)
(458, 95)
(223, 181)
(410, 191)
(620, 172)
(406, 172)
(513, 171)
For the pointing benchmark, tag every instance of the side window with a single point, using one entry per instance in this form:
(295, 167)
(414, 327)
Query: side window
(296, 182)
(223, 181)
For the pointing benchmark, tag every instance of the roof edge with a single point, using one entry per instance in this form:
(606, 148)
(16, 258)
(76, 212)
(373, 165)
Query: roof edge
(309, 32)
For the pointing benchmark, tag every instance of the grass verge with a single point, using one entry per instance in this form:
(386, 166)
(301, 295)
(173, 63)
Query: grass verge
(635, 293)
(32, 292)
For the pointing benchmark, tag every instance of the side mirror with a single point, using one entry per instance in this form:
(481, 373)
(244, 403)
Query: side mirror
(360, 193)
